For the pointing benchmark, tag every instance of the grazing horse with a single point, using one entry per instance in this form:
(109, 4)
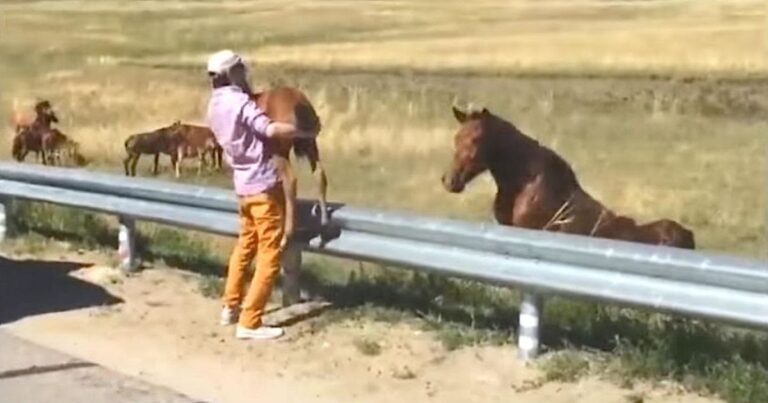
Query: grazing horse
(538, 189)
(289, 105)
(166, 140)
(56, 144)
(199, 141)
(29, 136)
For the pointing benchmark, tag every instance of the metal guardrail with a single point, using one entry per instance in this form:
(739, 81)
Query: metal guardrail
(693, 283)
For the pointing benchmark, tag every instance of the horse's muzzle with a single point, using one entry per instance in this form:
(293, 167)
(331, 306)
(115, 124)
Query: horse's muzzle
(453, 183)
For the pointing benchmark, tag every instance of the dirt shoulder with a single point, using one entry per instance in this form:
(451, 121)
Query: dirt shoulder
(157, 326)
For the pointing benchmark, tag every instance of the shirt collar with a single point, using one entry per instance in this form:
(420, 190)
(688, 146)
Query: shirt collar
(229, 88)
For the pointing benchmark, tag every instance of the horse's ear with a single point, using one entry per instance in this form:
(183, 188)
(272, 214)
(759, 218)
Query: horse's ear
(460, 115)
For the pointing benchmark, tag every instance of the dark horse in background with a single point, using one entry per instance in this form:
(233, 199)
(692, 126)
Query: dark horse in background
(537, 189)
(29, 136)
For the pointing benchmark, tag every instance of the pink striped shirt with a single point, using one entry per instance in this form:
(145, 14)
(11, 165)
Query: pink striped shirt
(240, 127)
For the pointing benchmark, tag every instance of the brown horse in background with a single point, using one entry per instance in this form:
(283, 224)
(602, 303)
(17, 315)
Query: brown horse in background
(165, 140)
(289, 105)
(56, 145)
(29, 135)
(538, 189)
(199, 141)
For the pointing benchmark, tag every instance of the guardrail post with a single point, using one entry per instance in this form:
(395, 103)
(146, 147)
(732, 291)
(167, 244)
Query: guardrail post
(126, 249)
(5, 209)
(291, 268)
(528, 332)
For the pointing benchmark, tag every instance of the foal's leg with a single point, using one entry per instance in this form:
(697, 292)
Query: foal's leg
(134, 163)
(201, 163)
(218, 157)
(126, 162)
(157, 162)
(321, 180)
(288, 179)
(176, 159)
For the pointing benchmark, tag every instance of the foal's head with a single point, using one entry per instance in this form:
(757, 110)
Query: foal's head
(471, 147)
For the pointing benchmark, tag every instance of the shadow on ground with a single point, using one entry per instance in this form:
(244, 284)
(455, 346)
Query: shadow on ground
(35, 287)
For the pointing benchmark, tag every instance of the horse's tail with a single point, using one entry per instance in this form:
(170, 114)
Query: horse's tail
(129, 144)
(17, 149)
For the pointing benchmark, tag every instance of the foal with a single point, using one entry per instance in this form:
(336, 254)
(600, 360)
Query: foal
(289, 105)
(56, 144)
(199, 141)
(538, 189)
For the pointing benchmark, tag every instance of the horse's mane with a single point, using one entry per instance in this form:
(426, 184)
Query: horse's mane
(508, 138)
(505, 131)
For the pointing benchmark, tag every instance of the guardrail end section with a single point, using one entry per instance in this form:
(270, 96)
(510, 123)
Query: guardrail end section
(529, 332)
(291, 268)
(126, 250)
(5, 211)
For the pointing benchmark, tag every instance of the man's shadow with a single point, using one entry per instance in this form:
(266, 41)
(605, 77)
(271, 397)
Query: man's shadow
(34, 287)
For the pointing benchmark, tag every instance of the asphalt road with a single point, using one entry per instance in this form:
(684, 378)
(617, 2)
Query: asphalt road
(33, 374)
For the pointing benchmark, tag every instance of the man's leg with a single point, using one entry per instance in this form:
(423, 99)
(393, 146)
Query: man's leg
(239, 260)
(268, 214)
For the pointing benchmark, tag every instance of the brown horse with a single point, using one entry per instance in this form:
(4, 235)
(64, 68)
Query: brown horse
(289, 105)
(199, 141)
(29, 136)
(538, 189)
(165, 140)
(56, 145)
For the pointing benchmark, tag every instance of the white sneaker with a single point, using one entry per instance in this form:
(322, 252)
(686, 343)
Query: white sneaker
(260, 333)
(229, 316)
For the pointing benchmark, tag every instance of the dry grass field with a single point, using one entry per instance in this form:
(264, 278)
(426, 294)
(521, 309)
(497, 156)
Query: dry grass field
(659, 105)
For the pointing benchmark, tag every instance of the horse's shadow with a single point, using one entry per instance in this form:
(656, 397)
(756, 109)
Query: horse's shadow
(35, 287)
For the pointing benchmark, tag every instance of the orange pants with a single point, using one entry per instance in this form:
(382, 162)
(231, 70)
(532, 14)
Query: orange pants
(261, 229)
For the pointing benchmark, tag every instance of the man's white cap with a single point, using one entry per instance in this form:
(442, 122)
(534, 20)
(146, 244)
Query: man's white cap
(223, 60)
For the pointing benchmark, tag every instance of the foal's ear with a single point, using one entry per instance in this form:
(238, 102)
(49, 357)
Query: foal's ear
(460, 115)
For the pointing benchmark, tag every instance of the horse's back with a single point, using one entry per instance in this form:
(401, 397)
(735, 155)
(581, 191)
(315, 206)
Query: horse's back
(289, 104)
(671, 233)
(196, 135)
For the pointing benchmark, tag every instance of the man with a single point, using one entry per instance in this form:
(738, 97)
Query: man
(243, 129)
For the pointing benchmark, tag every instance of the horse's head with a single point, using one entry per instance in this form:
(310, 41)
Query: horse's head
(470, 149)
(171, 131)
(44, 111)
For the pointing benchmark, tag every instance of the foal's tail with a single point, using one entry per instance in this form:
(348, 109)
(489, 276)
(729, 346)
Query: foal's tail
(308, 121)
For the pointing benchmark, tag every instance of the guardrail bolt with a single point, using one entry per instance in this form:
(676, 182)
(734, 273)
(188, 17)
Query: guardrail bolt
(127, 245)
(528, 333)
(291, 268)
